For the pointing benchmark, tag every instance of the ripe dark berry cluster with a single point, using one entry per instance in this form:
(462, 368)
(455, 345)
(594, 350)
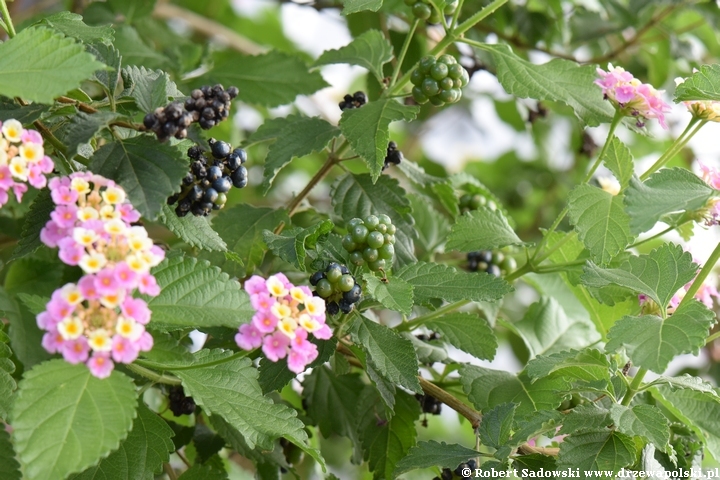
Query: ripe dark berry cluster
(473, 202)
(494, 263)
(446, 474)
(429, 404)
(337, 287)
(179, 404)
(393, 156)
(207, 105)
(204, 188)
(425, 10)
(356, 100)
(438, 81)
(471, 464)
(371, 240)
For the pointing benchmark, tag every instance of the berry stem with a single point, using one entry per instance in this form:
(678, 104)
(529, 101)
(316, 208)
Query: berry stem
(660, 234)
(417, 321)
(154, 376)
(403, 52)
(448, 399)
(9, 27)
(456, 15)
(677, 145)
(700, 278)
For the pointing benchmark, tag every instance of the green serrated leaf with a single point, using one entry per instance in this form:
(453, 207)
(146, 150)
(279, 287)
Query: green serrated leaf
(534, 424)
(437, 187)
(245, 238)
(482, 229)
(366, 129)
(652, 342)
(83, 127)
(431, 453)
(72, 25)
(666, 191)
(271, 79)
(135, 51)
(586, 366)
(150, 88)
(395, 294)
(688, 382)
(659, 274)
(601, 222)
(432, 227)
(7, 382)
(619, 161)
(488, 388)
(354, 6)
(605, 450)
(148, 171)
(585, 417)
(195, 231)
(432, 280)
(701, 85)
(86, 417)
(275, 375)
(108, 55)
(371, 50)
(35, 303)
(140, 455)
(357, 196)
(292, 246)
(203, 472)
(9, 467)
(39, 65)
(26, 114)
(558, 81)
(25, 335)
(496, 425)
(391, 354)
(196, 294)
(35, 220)
(470, 333)
(546, 329)
(646, 421)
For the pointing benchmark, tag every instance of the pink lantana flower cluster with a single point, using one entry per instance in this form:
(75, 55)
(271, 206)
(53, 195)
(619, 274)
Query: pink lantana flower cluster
(705, 294)
(285, 316)
(631, 96)
(704, 109)
(97, 320)
(711, 176)
(22, 159)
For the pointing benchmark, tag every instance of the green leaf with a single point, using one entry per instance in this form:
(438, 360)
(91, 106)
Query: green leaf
(148, 171)
(488, 388)
(496, 425)
(619, 161)
(659, 274)
(196, 294)
(357, 196)
(431, 226)
(432, 280)
(686, 381)
(293, 136)
(39, 65)
(547, 329)
(271, 79)
(601, 222)
(275, 375)
(108, 55)
(292, 246)
(652, 342)
(150, 88)
(666, 191)
(586, 366)
(384, 444)
(558, 81)
(392, 355)
(646, 421)
(604, 450)
(9, 467)
(195, 231)
(141, 454)
(432, 186)
(83, 127)
(468, 332)
(395, 294)
(26, 114)
(431, 453)
(135, 51)
(203, 472)
(35, 303)
(7, 382)
(366, 129)
(702, 85)
(371, 50)
(25, 335)
(585, 417)
(482, 229)
(86, 417)
(35, 220)
(353, 6)
(245, 238)
(72, 25)
(534, 424)
(230, 390)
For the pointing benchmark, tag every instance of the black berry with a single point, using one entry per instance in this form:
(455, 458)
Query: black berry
(179, 404)
(429, 404)
(338, 287)
(393, 156)
(357, 100)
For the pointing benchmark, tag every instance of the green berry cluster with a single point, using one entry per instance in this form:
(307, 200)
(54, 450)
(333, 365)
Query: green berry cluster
(473, 202)
(494, 263)
(339, 289)
(371, 240)
(424, 10)
(438, 81)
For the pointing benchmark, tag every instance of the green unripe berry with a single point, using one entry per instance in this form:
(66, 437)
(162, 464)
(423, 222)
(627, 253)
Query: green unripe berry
(447, 59)
(386, 252)
(458, 83)
(446, 83)
(359, 233)
(491, 205)
(353, 222)
(389, 239)
(417, 77)
(370, 254)
(419, 97)
(324, 288)
(455, 95)
(333, 273)
(348, 243)
(377, 265)
(465, 77)
(465, 200)
(391, 229)
(384, 219)
(438, 102)
(435, 17)
(476, 201)
(509, 264)
(356, 258)
(372, 221)
(346, 283)
(426, 63)
(382, 228)
(375, 240)
(446, 96)
(439, 71)
(498, 258)
(221, 199)
(422, 11)
(430, 87)
(450, 7)
(455, 71)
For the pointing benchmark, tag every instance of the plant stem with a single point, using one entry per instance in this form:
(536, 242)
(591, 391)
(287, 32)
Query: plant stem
(712, 338)
(634, 386)
(324, 170)
(8, 21)
(448, 399)
(154, 376)
(697, 283)
(403, 52)
(416, 322)
(527, 268)
(170, 471)
(456, 15)
(677, 145)
(660, 234)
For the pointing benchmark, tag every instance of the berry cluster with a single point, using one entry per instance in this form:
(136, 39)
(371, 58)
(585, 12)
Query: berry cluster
(356, 100)
(207, 106)
(473, 202)
(285, 316)
(337, 287)
(470, 464)
(438, 80)
(22, 159)
(179, 404)
(371, 240)
(425, 10)
(393, 156)
(204, 188)
(494, 263)
(429, 404)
